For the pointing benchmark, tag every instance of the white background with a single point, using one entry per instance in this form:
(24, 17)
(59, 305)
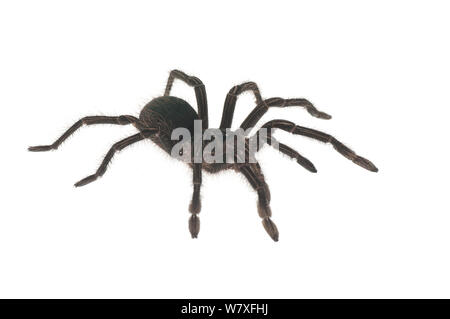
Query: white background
(381, 68)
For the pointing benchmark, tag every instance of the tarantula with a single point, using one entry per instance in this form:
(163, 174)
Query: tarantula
(162, 115)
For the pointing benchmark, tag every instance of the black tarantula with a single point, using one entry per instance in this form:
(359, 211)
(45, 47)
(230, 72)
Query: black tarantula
(162, 115)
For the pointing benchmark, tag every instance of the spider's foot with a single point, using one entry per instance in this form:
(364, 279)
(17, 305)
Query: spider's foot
(41, 148)
(316, 113)
(270, 228)
(86, 180)
(321, 115)
(194, 226)
(306, 163)
(365, 163)
(351, 155)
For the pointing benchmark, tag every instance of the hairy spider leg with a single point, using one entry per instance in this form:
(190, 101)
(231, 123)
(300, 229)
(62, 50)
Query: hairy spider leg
(115, 148)
(195, 205)
(283, 148)
(202, 105)
(263, 107)
(230, 101)
(323, 137)
(255, 177)
(200, 92)
(88, 120)
(255, 167)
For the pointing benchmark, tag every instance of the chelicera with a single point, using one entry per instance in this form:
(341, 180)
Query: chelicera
(161, 116)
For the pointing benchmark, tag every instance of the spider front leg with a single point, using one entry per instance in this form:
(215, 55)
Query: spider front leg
(88, 120)
(283, 148)
(255, 177)
(195, 205)
(115, 148)
(323, 137)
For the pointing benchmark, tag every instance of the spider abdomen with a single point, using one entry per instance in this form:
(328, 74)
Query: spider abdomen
(170, 112)
(167, 113)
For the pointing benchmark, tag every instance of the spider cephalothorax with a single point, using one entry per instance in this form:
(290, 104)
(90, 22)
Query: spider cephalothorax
(161, 116)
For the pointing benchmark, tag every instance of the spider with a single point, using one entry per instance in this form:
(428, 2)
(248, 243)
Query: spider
(163, 114)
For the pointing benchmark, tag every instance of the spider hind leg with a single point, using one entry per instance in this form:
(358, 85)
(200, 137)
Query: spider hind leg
(325, 138)
(284, 149)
